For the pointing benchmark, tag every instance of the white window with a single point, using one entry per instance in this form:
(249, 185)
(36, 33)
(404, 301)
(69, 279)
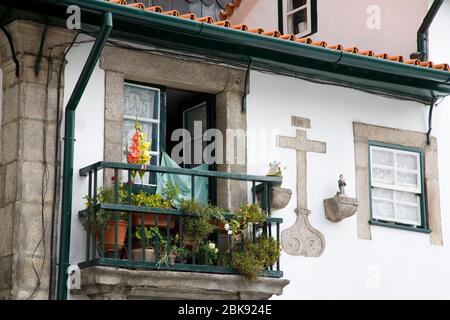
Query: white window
(396, 185)
(142, 103)
(298, 17)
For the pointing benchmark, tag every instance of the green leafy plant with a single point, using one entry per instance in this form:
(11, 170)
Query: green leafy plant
(209, 253)
(154, 240)
(199, 225)
(247, 214)
(171, 193)
(93, 219)
(254, 257)
(149, 235)
(143, 199)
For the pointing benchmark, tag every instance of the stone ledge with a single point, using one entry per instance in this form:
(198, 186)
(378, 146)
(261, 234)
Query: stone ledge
(102, 283)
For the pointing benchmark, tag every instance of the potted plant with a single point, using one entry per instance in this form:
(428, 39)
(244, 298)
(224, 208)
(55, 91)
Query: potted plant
(198, 225)
(279, 197)
(251, 258)
(153, 240)
(209, 253)
(244, 218)
(151, 201)
(93, 220)
(148, 237)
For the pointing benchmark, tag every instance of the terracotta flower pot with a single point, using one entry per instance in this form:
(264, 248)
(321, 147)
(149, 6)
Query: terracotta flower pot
(149, 220)
(122, 228)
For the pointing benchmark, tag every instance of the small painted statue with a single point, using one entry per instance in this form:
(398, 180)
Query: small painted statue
(342, 184)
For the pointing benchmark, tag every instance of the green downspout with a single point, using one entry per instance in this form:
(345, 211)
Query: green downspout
(69, 138)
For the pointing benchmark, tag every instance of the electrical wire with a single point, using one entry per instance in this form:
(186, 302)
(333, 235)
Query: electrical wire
(44, 185)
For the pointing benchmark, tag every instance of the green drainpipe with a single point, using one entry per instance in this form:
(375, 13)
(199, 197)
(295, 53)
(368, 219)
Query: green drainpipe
(69, 134)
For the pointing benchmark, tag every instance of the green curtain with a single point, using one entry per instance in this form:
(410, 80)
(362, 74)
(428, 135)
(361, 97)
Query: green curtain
(182, 181)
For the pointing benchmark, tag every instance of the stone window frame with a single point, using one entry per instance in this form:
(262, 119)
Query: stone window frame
(364, 134)
(225, 82)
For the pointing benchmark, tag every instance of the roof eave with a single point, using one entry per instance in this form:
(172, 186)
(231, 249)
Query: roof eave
(365, 72)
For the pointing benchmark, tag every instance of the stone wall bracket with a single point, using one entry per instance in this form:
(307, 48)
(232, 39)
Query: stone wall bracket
(340, 207)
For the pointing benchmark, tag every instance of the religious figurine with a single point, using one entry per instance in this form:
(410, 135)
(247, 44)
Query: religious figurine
(342, 185)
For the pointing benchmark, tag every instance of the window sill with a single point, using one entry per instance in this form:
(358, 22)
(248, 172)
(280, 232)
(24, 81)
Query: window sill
(398, 226)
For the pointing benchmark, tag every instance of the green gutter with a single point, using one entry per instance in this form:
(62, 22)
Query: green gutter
(69, 138)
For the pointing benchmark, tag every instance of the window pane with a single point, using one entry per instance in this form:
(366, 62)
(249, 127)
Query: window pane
(383, 193)
(140, 102)
(294, 4)
(383, 175)
(408, 197)
(407, 179)
(298, 22)
(382, 209)
(407, 161)
(408, 213)
(383, 157)
(150, 130)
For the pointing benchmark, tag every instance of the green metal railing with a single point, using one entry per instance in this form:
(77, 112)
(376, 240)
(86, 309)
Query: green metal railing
(98, 253)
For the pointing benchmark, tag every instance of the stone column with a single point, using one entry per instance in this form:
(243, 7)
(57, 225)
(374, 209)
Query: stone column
(27, 166)
(232, 122)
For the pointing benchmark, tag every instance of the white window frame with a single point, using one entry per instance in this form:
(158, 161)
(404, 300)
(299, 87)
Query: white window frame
(290, 28)
(417, 191)
(148, 121)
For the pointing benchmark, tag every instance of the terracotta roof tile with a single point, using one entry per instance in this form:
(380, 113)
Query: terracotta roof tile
(288, 37)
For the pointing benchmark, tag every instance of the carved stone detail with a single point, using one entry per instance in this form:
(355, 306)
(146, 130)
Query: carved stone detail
(302, 239)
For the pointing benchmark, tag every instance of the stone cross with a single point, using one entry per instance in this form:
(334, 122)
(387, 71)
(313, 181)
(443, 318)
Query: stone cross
(302, 239)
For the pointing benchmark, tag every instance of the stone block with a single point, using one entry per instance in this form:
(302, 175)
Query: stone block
(10, 144)
(112, 283)
(6, 231)
(10, 104)
(10, 188)
(31, 181)
(114, 132)
(30, 228)
(27, 278)
(32, 144)
(114, 96)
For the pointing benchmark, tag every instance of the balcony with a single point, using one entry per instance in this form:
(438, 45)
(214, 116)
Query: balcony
(136, 247)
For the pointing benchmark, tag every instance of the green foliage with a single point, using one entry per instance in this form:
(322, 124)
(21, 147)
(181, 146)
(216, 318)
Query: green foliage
(254, 257)
(92, 220)
(171, 192)
(154, 240)
(244, 216)
(198, 227)
(149, 200)
(208, 253)
(149, 235)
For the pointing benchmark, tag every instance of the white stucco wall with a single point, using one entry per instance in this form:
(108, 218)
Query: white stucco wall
(89, 132)
(396, 263)
(345, 22)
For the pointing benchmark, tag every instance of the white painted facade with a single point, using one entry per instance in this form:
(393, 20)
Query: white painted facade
(395, 263)
(346, 22)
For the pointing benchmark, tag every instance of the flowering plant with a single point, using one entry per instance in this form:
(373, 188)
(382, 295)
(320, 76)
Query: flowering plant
(139, 150)
(275, 169)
